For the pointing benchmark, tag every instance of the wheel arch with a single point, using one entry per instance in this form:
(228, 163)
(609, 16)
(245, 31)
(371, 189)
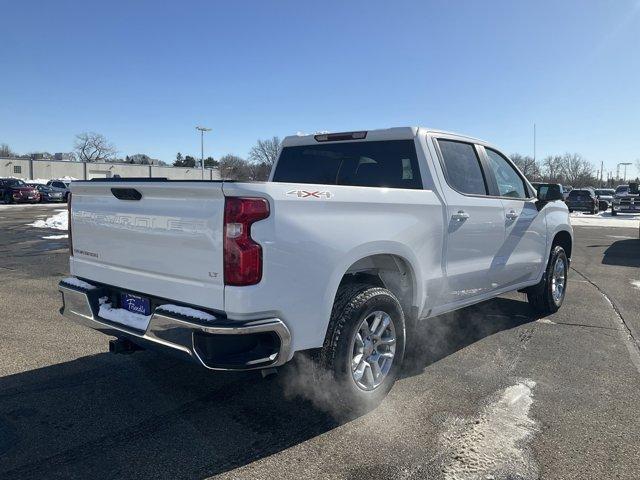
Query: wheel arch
(388, 270)
(565, 240)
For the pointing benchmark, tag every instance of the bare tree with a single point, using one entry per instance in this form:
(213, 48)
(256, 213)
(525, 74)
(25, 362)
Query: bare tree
(552, 166)
(527, 165)
(260, 171)
(93, 147)
(5, 151)
(576, 170)
(233, 167)
(265, 151)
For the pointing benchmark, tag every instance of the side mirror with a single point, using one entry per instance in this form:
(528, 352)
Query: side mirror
(633, 188)
(549, 193)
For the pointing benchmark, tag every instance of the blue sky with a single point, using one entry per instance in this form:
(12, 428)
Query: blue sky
(144, 73)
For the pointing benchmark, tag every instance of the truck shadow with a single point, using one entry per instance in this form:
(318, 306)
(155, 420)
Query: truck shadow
(148, 416)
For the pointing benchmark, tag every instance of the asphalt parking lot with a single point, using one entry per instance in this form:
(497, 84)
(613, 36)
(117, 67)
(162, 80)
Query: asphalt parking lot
(493, 392)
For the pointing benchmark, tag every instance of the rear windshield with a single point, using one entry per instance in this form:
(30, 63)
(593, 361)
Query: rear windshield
(580, 193)
(622, 189)
(389, 163)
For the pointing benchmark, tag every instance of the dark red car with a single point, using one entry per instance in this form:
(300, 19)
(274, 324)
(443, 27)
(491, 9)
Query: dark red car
(14, 190)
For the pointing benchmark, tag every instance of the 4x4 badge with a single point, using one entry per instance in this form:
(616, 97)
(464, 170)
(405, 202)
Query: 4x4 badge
(310, 194)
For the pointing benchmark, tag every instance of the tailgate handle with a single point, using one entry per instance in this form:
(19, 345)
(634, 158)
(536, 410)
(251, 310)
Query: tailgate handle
(126, 193)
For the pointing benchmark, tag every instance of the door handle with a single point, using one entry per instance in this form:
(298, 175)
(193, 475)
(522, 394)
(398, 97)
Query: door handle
(512, 215)
(461, 216)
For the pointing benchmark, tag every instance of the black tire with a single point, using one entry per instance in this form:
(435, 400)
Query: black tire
(353, 304)
(8, 199)
(570, 211)
(613, 212)
(541, 296)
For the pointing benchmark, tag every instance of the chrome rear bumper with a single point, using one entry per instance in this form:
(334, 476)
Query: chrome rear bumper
(167, 330)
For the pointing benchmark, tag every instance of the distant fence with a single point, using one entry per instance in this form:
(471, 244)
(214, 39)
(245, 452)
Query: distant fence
(50, 169)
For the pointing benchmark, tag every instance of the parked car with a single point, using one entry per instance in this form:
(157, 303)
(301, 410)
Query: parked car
(626, 199)
(605, 197)
(583, 199)
(566, 191)
(48, 194)
(356, 237)
(14, 190)
(60, 186)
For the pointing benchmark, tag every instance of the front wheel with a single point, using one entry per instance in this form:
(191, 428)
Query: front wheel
(547, 297)
(364, 345)
(8, 199)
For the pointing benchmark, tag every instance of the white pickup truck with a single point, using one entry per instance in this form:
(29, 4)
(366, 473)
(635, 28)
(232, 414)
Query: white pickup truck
(355, 238)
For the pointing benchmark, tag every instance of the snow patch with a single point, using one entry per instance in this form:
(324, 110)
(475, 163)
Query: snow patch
(60, 221)
(19, 206)
(55, 237)
(188, 312)
(494, 444)
(636, 283)
(122, 316)
(545, 320)
(604, 219)
(76, 282)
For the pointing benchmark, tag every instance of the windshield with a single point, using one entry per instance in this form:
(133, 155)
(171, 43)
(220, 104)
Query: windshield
(604, 192)
(14, 182)
(622, 189)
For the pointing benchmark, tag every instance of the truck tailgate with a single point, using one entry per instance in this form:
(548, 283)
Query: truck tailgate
(166, 244)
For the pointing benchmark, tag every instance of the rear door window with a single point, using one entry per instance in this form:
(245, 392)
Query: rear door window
(462, 167)
(390, 163)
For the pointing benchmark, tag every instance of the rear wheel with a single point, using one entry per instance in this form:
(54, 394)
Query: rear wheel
(547, 297)
(8, 198)
(364, 346)
(613, 212)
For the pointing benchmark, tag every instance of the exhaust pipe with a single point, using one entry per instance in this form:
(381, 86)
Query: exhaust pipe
(122, 345)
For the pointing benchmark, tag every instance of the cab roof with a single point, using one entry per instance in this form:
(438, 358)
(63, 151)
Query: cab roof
(394, 133)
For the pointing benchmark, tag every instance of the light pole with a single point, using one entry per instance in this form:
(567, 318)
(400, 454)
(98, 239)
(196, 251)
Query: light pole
(534, 143)
(625, 165)
(202, 130)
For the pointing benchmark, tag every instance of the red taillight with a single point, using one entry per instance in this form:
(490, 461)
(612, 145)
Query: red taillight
(69, 224)
(242, 256)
